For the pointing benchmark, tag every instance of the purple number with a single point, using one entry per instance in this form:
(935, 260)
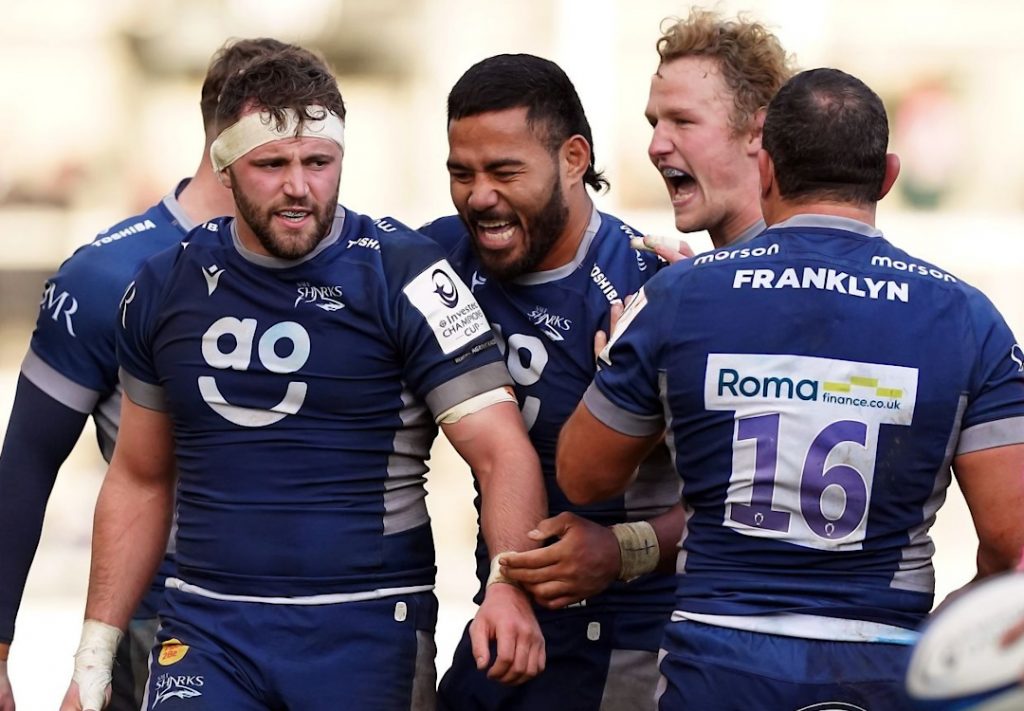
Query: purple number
(764, 430)
(816, 479)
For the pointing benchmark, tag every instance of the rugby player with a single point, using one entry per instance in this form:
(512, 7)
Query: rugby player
(816, 394)
(548, 268)
(713, 77)
(300, 355)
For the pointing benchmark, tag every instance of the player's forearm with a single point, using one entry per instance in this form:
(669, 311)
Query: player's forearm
(130, 531)
(31, 456)
(512, 501)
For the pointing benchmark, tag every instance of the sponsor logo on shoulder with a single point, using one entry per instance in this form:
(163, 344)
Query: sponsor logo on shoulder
(724, 255)
(59, 305)
(132, 229)
(368, 242)
(911, 268)
(327, 298)
(448, 306)
(177, 686)
(384, 226)
(171, 652)
(604, 284)
(822, 279)
(551, 324)
(212, 275)
(1017, 356)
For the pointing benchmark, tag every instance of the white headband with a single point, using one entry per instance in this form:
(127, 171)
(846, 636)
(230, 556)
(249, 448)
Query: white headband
(255, 129)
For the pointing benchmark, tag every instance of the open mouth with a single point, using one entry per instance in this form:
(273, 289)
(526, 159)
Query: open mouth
(678, 180)
(495, 234)
(293, 215)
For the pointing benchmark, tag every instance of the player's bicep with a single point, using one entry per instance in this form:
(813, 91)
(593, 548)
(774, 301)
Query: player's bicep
(145, 444)
(992, 482)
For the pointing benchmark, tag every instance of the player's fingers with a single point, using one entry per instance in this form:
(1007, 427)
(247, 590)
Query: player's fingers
(531, 575)
(600, 341)
(504, 657)
(554, 527)
(479, 641)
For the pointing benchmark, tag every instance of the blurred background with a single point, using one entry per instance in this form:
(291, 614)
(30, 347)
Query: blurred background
(100, 99)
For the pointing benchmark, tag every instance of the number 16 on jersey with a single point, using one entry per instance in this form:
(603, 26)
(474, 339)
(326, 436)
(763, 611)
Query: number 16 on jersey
(805, 442)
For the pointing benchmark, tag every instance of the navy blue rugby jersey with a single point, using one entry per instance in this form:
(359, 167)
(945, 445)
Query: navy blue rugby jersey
(303, 396)
(72, 354)
(545, 324)
(817, 383)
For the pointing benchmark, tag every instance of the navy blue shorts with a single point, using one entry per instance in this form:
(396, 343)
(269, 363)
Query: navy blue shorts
(706, 668)
(213, 655)
(595, 660)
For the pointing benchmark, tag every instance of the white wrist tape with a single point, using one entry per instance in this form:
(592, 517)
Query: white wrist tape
(638, 545)
(474, 404)
(254, 129)
(495, 575)
(94, 663)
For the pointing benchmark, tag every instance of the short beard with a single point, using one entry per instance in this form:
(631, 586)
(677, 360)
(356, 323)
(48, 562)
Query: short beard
(546, 226)
(259, 222)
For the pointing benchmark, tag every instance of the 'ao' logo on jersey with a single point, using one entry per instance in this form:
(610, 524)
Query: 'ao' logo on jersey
(229, 345)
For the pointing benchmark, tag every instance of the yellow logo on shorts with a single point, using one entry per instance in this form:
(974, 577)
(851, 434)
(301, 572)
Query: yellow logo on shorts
(171, 652)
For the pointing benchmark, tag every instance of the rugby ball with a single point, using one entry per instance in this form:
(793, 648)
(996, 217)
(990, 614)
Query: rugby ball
(960, 661)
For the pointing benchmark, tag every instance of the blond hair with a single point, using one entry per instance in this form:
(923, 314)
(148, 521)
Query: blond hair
(751, 59)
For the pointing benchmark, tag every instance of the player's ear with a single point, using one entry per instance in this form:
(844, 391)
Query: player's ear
(224, 177)
(892, 170)
(756, 131)
(575, 157)
(766, 172)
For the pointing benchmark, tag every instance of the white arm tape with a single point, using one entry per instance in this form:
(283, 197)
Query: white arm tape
(495, 574)
(94, 663)
(474, 404)
(638, 545)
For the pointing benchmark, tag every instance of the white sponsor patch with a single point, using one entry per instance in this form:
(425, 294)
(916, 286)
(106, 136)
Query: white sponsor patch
(448, 306)
(805, 442)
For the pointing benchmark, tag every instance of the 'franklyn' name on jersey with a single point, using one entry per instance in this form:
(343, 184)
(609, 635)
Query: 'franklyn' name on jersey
(824, 279)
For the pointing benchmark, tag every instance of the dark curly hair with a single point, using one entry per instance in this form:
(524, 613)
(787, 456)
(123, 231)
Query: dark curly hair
(292, 78)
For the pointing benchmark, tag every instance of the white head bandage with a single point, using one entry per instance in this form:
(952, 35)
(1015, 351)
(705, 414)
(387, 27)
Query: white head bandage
(257, 128)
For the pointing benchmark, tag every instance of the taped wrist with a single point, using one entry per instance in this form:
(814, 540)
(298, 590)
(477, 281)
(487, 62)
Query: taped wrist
(94, 662)
(495, 575)
(638, 546)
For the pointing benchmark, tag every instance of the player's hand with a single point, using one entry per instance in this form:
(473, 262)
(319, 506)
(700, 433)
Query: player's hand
(601, 338)
(74, 701)
(6, 692)
(581, 563)
(670, 248)
(506, 617)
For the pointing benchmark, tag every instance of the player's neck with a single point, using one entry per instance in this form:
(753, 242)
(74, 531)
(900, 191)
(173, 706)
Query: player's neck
(204, 198)
(784, 210)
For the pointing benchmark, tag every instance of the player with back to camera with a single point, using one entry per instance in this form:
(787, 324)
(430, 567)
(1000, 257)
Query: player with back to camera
(300, 355)
(713, 76)
(70, 372)
(817, 388)
(548, 268)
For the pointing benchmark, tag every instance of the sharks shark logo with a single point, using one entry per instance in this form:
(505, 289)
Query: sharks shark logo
(552, 325)
(177, 686)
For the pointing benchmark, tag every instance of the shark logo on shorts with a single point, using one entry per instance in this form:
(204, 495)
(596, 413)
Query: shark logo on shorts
(177, 686)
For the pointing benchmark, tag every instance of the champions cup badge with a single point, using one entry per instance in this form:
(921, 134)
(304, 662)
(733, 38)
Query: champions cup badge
(171, 652)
